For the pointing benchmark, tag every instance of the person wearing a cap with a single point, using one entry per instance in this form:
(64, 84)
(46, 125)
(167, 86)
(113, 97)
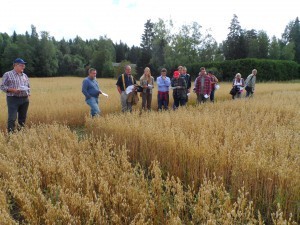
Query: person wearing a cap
(202, 86)
(178, 85)
(16, 85)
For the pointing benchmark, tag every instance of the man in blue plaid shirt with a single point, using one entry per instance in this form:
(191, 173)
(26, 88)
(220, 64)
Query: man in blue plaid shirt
(16, 85)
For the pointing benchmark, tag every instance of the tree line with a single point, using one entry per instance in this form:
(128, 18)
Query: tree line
(161, 46)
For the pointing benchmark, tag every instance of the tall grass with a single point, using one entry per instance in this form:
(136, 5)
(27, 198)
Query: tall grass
(60, 99)
(49, 176)
(249, 142)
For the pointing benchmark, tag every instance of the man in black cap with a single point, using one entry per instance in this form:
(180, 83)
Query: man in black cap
(16, 85)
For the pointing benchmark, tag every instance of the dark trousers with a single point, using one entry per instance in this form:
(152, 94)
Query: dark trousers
(178, 102)
(146, 100)
(17, 107)
(201, 98)
(212, 95)
(249, 93)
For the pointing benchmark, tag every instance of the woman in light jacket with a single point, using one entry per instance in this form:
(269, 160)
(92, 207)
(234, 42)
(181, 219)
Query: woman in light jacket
(238, 83)
(147, 83)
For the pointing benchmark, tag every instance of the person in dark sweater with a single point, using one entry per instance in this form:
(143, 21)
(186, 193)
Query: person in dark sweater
(178, 85)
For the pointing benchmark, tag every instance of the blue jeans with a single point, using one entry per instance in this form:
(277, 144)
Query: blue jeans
(17, 107)
(93, 103)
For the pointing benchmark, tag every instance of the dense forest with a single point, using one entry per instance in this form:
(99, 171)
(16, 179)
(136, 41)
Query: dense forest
(159, 48)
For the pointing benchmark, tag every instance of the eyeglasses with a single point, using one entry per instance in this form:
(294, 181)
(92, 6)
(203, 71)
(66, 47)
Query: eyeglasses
(21, 65)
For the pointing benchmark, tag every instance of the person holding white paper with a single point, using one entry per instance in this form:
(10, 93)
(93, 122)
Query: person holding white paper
(147, 83)
(91, 91)
(238, 83)
(202, 86)
(16, 85)
(124, 81)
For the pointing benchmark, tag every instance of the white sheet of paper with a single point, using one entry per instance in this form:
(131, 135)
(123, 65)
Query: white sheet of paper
(129, 89)
(24, 88)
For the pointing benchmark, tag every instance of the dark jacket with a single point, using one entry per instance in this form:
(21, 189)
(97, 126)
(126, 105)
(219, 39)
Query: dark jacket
(180, 93)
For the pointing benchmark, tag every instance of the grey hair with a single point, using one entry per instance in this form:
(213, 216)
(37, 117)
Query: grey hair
(238, 74)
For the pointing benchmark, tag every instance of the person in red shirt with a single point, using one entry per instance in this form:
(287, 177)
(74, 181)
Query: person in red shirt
(202, 86)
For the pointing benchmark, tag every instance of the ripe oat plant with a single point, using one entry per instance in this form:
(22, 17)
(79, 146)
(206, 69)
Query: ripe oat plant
(231, 162)
(248, 142)
(49, 176)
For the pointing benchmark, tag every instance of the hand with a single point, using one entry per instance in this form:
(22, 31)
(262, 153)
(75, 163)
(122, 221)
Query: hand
(14, 90)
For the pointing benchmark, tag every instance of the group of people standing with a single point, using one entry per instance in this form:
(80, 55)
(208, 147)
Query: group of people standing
(180, 84)
(239, 85)
(15, 84)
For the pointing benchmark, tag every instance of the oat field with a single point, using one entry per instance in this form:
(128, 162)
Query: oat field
(231, 162)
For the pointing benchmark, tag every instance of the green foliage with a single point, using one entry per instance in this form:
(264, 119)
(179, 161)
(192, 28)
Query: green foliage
(288, 51)
(122, 51)
(120, 69)
(71, 64)
(235, 46)
(103, 57)
(46, 62)
(274, 51)
(162, 46)
(108, 70)
(268, 70)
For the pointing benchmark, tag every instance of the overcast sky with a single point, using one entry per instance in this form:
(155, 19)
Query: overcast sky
(124, 19)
